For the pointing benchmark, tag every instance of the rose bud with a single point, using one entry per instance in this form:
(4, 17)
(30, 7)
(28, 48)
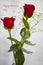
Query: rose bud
(8, 22)
(28, 10)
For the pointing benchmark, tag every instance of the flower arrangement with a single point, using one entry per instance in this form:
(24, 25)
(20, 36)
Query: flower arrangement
(17, 46)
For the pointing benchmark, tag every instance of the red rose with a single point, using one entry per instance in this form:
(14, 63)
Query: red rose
(8, 22)
(28, 10)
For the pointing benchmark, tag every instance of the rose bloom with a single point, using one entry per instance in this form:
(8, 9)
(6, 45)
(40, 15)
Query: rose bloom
(8, 22)
(28, 10)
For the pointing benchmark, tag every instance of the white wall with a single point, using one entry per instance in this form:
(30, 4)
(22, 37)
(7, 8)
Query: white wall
(7, 58)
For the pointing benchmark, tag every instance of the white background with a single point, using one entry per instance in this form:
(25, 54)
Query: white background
(7, 58)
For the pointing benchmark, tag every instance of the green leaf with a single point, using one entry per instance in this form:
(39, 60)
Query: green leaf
(13, 47)
(26, 23)
(29, 43)
(19, 57)
(23, 32)
(27, 34)
(28, 52)
(16, 41)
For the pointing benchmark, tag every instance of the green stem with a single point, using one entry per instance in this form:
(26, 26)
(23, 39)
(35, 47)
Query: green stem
(10, 35)
(11, 41)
